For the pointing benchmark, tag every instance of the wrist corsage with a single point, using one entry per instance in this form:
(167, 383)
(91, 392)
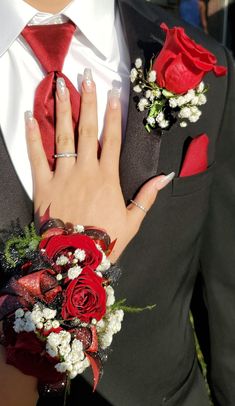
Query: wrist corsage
(57, 302)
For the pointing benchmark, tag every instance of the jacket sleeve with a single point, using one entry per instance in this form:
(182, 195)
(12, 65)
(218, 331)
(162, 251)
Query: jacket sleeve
(218, 257)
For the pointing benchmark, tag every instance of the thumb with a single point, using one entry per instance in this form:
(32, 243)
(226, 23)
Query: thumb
(147, 196)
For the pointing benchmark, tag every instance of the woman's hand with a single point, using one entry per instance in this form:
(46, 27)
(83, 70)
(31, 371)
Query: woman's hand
(86, 190)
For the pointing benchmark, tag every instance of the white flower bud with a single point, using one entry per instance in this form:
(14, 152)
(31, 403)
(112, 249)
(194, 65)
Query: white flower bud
(78, 228)
(148, 94)
(152, 76)
(160, 117)
(55, 324)
(142, 104)
(181, 101)
(164, 124)
(80, 254)
(49, 314)
(194, 101)
(185, 112)
(201, 87)
(201, 99)
(39, 325)
(110, 296)
(151, 121)
(19, 313)
(62, 260)
(133, 75)
(173, 103)
(74, 272)
(138, 63)
(59, 277)
(137, 89)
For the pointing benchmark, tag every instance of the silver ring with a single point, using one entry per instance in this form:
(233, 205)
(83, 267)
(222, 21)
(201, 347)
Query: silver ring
(139, 206)
(66, 155)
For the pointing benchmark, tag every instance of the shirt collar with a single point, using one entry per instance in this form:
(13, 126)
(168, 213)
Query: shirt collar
(90, 16)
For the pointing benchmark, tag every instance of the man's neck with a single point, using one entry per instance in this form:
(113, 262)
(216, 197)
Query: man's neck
(46, 6)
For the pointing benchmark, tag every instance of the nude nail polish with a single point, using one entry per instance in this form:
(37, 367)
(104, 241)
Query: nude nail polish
(114, 98)
(61, 89)
(88, 80)
(164, 180)
(29, 119)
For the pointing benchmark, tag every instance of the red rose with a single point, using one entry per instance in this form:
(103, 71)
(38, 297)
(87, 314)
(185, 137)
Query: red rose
(85, 297)
(182, 64)
(56, 245)
(27, 353)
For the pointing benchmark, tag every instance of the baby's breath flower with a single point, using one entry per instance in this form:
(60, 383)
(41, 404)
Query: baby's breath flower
(201, 87)
(19, 313)
(138, 63)
(62, 260)
(185, 112)
(151, 121)
(152, 76)
(183, 124)
(164, 124)
(142, 104)
(80, 254)
(201, 99)
(133, 75)
(160, 117)
(59, 277)
(74, 272)
(137, 89)
(173, 103)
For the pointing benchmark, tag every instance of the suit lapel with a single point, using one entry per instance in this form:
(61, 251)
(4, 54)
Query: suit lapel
(140, 150)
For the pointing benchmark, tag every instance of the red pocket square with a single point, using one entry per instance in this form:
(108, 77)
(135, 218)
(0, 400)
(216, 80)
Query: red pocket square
(196, 160)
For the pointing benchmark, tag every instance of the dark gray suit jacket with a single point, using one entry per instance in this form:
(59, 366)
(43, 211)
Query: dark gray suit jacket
(189, 230)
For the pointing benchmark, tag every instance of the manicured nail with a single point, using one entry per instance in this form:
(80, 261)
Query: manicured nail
(88, 80)
(29, 119)
(61, 89)
(164, 180)
(114, 98)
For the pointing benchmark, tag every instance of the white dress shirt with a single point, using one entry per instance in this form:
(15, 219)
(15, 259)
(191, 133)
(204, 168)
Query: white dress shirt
(98, 44)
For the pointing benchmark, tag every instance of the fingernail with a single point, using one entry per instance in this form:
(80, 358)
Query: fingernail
(164, 180)
(114, 98)
(88, 80)
(29, 119)
(61, 89)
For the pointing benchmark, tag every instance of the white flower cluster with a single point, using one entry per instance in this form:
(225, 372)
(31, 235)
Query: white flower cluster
(108, 326)
(40, 317)
(75, 270)
(69, 350)
(188, 104)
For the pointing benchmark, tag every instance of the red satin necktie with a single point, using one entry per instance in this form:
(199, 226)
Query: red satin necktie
(50, 44)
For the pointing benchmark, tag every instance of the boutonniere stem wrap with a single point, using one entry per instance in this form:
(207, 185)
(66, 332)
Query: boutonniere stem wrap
(57, 301)
(173, 89)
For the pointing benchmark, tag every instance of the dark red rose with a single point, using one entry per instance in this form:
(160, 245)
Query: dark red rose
(27, 353)
(182, 63)
(56, 245)
(85, 297)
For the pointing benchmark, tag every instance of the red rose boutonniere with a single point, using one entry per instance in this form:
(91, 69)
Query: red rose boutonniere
(173, 87)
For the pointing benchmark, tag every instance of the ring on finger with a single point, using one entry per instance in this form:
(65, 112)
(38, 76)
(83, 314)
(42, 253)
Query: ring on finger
(66, 155)
(139, 206)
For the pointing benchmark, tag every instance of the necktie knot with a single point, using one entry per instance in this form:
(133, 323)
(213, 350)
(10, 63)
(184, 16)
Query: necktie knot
(50, 43)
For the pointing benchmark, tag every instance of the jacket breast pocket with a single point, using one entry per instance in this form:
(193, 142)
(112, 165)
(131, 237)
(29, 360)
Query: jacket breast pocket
(187, 185)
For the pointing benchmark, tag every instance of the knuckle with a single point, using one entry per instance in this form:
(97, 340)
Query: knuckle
(63, 139)
(88, 131)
